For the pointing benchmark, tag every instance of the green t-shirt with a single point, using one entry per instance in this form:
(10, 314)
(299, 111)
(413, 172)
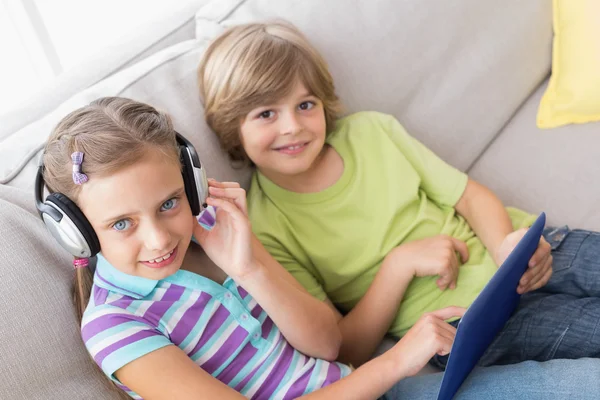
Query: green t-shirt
(393, 190)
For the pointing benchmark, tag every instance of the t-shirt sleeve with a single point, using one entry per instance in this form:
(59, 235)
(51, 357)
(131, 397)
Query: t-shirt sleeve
(114, 337)
(297, 270)
(442, 183)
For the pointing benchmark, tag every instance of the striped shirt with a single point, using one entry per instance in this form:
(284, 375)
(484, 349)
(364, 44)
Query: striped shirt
(220, 327)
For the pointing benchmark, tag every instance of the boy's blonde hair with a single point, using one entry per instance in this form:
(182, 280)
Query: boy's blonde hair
(256, 64)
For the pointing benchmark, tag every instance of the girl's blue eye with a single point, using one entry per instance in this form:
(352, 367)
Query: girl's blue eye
(266, 114)
(122, 225)
(307, 105)
(169, 204)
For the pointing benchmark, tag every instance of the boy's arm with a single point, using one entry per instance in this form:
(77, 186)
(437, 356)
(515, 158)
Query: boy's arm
(488, 218)
(486, 215)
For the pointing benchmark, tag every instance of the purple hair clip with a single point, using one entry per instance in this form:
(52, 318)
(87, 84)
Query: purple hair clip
(78, 176)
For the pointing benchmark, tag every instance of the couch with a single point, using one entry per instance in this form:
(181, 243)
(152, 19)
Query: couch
(464, 76)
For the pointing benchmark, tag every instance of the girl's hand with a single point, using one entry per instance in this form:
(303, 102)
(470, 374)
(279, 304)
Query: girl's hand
(539, 270)
(228, 243)
(431, 335)
(432, 256)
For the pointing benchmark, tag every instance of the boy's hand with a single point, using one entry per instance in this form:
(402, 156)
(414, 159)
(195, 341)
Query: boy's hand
(433, 256)
(539, 269)
(431, 335)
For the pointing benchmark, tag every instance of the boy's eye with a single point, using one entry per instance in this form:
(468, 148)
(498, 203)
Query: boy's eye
(307, 105)
(169, 204)
(121, 225)
(266, 114)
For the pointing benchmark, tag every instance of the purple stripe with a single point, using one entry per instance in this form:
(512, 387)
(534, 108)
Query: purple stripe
(99, 358)
(213, 325)
(100, 295)
(108, 321)
(243, 293)
(333, 374)
(256, 311)
(189, 319)
(123, 302)
(245, 381)
(229, 347)
(123, 387)
(237, 364)
(267, 325)
(276, 374)
(299, 387)
(157, 310)
(115, 286)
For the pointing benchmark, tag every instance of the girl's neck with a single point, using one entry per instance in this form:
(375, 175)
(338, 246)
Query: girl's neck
(324, 172)
(198, 262)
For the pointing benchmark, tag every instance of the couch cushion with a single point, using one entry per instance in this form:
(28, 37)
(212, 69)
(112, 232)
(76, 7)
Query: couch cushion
(555, 170)
(166, 80)
(453, 72)
(573, 94)
(43, 356)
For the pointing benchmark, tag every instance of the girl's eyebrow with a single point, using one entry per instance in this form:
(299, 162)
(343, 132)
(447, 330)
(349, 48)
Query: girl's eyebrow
(178, 191)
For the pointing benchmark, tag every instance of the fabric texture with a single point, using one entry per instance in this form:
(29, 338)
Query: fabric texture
(334, 241)
(220, 327)
(573, 95)
(43, 356)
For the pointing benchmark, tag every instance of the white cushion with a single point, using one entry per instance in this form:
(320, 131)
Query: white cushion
(453, 72)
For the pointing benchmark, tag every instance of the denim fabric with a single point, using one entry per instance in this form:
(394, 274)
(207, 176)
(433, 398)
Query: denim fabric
(560, 320)
(530, 380)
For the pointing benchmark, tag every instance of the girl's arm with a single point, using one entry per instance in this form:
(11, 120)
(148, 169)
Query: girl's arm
(308, 324)
(486, 215)
(168, 373)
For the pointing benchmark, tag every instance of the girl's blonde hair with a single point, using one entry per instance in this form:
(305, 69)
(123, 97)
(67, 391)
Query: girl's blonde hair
(256, 64)
(113, 133)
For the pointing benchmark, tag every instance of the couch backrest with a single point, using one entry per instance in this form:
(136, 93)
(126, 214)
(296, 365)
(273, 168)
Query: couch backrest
(453, 72)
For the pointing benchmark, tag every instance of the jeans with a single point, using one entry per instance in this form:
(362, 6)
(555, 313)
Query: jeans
(530, 380)
(561, 319)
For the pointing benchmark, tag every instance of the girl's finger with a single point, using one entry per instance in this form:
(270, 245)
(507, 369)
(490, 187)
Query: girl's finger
(228, 207)
(449, 312)
(215, 183)
(237, 195)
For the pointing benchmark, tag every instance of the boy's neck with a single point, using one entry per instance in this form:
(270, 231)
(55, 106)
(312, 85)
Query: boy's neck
(325, 171)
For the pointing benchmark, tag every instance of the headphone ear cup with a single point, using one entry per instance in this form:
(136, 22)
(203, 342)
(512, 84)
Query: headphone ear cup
(82, 224)
(191, 191)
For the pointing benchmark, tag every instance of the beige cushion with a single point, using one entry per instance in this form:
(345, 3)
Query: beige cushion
(166, 80)
(453, 72)
(551, 170)
(43, 356)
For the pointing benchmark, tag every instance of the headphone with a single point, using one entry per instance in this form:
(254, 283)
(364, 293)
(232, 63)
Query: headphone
(73, 231)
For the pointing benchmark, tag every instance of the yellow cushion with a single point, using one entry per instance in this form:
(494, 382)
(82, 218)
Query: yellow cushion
(573, 94)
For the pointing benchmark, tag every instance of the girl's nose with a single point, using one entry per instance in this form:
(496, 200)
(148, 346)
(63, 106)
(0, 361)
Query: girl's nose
(157, 237)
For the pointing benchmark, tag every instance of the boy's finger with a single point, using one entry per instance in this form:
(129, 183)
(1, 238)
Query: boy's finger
(462, 249)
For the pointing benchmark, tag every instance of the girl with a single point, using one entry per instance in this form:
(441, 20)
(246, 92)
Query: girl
(371, 221)
(164, 319)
